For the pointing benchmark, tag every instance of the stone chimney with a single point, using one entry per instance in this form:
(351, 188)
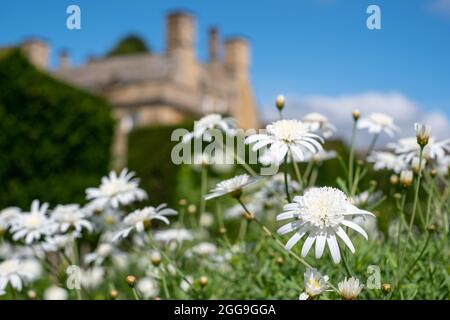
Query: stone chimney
(237, 56)
(237, 62)
(213, 44)
(37, 51)
(180, 34)
(64, 60)
(181, 48)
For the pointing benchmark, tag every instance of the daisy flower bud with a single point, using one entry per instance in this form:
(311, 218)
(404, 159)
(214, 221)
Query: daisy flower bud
(349, 289)
(431, 228)
(406, 178)
(279, 261)
(393, 179)
(279, 102)
(203, 281)
(397, 196)
(31, 294)
(222, 230)
(433, 173)
(192, 209)
(386, 288)
(182, 202)
(155, 258)
(423, 132)
(356, 114)
(113, 294)
(248, 216)
(416, 163)
(131, 281)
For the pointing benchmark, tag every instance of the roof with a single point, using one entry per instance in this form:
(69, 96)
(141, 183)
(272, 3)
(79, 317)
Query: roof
(121, 69)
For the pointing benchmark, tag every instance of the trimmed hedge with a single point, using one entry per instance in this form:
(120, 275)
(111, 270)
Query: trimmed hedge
(55, 139)
(149, 151)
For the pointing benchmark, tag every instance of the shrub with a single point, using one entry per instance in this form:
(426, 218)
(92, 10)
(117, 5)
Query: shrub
(55, 139)
(149, 150)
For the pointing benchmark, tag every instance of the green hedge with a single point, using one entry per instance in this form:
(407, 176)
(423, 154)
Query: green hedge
(55, 139)
(149, 150)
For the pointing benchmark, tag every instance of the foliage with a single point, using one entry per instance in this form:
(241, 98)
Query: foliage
(130, 44)
(157, 172)
(55, 138)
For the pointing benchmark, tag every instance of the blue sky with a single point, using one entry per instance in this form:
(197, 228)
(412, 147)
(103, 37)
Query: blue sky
(303, 48)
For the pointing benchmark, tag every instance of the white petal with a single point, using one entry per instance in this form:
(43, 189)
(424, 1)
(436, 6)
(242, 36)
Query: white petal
(320, 245)
(294, 239)
(307, 245)
(341, 233)
(355, 227)
(334, 248)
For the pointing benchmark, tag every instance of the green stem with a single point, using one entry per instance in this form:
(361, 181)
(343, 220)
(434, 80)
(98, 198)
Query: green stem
(242, 230)
(297, 172)
(416, 194)
(286, 183)
(419, 256)
(135, 294)
(372, 145)
(76, 261)
(166, 290)
(204, 187)
(351, 156)
(165, 256)
(399, 229)
(347, 268)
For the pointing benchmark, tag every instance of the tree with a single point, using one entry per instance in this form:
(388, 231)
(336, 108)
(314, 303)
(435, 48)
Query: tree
(55, 139)
(129, 45)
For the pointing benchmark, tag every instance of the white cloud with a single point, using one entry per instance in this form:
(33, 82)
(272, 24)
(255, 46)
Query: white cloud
(338, 110)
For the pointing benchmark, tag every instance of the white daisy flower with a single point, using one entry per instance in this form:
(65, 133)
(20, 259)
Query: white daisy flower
(92, 278)
(185, 284)
(321, 214)
(409, 148)
(236, 211)
(206, 220)
(116, 190)
(71, 217)
(285, 136)
(303, 296)
(350, 289)
(7, 216)
(423, 133)
(386, 160)
(148, 287)
(210, 122)
(58, 242)
(366, 197)
(406, 178)
(202, 249)
(173, 235)
(377, 122)
(33, 268)
(103, 251)
(418, 164)
(443, 166)
(55, 293)
(13, 272)
(140, 218)
(33, 225)
(231, 186)
(315, 284)
(319, 123)
(321, 156)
